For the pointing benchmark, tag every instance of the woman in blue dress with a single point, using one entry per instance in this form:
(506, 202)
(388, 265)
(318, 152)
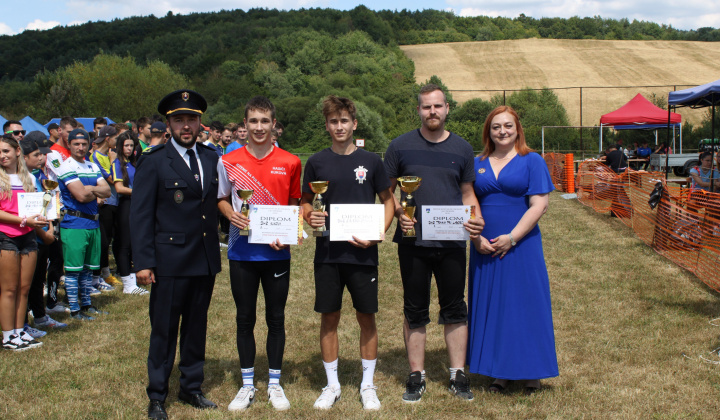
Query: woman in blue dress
(510, 324)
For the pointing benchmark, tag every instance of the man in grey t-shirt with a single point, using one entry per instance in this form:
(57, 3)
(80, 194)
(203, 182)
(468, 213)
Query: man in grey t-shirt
(445, 163)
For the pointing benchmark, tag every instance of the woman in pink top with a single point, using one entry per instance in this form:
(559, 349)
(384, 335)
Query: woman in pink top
(18, 247)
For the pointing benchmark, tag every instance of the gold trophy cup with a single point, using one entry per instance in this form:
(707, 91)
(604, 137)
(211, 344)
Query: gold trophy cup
(319, 187)
(409, 184)
(48, 185)
(244, 196)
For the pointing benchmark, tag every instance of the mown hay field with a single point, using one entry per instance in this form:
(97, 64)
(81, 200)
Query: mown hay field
(556, 63)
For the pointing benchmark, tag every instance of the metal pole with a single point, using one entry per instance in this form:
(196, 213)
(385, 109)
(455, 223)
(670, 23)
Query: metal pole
(581, 137)
(543, 141)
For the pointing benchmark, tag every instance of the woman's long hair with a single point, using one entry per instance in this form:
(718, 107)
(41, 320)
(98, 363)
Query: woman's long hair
(520, 145)
(120, 147)
(27, 179)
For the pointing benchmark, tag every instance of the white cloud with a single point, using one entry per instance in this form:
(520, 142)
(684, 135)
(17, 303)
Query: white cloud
(38, 24)
(689, 14)
(109, 9)
(6, 30)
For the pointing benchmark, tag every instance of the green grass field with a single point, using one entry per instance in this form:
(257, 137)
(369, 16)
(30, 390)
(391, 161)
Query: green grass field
(630, 327)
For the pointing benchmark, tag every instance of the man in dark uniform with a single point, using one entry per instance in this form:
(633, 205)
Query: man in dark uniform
(176, 248)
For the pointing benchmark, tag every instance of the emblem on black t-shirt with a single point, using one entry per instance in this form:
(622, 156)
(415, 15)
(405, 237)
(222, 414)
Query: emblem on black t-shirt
(360, 174)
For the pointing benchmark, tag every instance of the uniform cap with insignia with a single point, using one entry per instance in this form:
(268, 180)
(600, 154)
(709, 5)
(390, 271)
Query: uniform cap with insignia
(78, 133)
(184, 101)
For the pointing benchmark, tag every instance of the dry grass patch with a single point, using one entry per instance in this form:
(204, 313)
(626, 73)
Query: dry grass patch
(623, 315)
(555, 63)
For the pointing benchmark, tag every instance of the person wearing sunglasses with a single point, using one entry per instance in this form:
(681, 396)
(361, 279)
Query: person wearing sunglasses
(15, 129)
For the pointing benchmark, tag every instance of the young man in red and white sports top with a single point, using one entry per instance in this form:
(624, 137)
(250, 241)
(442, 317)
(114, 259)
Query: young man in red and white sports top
(274, 176)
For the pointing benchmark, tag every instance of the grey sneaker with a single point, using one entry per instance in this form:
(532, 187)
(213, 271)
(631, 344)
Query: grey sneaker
(414, 388)
(81, 316)
(460, 386)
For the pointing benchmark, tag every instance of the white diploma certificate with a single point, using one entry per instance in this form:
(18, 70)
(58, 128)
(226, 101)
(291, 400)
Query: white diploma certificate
(270, 223)
(32, 203)
(445, 223)
(363, 221)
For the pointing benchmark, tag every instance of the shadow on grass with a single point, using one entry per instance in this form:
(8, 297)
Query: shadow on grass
(706, 308)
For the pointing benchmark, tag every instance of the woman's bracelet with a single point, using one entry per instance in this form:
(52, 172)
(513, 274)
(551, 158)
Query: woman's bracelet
(24, 221)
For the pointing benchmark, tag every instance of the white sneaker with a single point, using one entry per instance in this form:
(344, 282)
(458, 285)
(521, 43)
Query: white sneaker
(104, 287)
(369, 398)
(244, 399)
(330, 394)
(94, 291)
(277, 397)
(138, 291)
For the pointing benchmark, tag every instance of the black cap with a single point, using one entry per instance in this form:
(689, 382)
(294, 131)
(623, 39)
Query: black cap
(78, 133)
(39, 138)
(184, 101)
(53, 126)
(158, 127)
(28, 146)
(105, 132)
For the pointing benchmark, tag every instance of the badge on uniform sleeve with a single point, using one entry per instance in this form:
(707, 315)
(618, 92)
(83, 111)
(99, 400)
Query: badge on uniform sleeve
(179, 196)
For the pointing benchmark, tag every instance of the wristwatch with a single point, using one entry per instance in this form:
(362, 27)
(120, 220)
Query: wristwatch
(512, 240)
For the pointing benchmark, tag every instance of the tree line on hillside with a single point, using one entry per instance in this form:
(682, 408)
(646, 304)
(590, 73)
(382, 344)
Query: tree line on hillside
(122, 68)
(195, 44)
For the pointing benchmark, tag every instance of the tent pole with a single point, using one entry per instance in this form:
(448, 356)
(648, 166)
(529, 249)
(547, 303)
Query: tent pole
(543, 141)
(667, 155)
(601, 137)
(712, 142)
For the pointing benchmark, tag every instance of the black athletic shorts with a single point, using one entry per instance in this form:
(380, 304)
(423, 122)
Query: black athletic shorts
(361, 281)
(417, 266)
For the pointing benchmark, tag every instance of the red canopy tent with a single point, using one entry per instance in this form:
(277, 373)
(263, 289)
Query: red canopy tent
(638, 114)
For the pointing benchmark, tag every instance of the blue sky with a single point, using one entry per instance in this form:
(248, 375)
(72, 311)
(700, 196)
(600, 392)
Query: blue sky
(17, 16)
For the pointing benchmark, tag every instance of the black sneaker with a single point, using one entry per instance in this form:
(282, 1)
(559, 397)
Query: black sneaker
(414, 388)
(29, 340)
(15, 343)
(460, 386)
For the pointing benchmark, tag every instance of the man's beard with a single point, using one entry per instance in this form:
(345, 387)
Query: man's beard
(434, 124)
(186, 144)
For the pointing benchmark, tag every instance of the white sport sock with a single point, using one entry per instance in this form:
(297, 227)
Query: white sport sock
(95, 280)
(18, 331)
(422, 375)
(105, 272)
(368, 373)
(129, 283)
(248, 377)
(453, 372)
(331, 372)
(274, 377)
(7, 334)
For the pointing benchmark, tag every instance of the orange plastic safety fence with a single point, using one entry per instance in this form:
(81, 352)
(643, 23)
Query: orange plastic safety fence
(560, 172)
(684, 227)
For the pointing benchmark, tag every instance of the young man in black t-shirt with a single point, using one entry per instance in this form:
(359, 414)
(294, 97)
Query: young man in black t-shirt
(355, 177)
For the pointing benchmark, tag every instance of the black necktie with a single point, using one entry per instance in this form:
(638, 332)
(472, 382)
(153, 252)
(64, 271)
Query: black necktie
(194, 165)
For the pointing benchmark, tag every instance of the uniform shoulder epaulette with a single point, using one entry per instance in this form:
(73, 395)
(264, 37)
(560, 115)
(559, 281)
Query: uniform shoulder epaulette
(153, 149)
